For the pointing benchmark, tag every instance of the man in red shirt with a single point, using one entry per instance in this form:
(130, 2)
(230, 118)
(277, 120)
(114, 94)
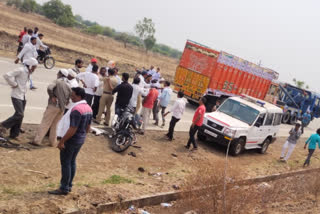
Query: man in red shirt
(147, 106)
(22, 33)
(196, 123)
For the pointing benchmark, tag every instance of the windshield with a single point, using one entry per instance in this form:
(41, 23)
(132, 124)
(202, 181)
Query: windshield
(239, 111)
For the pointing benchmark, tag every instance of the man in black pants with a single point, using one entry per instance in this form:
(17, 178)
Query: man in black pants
(177, 110)
(196, 123)
(97, 95)
(18, 80)
(124, 93)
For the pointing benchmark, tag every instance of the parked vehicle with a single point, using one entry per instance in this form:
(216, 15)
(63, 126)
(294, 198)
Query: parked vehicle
(203, 70)
(247, 122)
(123, 127)
(48, 61)
(294, 101)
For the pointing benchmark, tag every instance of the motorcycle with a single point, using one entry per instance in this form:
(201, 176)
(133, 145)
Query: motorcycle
(123, 127)
(47, 60)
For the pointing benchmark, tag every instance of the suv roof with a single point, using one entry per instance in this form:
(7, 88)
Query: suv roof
(266, 107)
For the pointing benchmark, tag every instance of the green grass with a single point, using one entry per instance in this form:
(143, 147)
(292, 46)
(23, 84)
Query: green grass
(117, 179)
(51, 185)
(10, 191)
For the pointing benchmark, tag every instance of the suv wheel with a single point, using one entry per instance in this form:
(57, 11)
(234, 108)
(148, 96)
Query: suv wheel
(264, 146)
(237, 147)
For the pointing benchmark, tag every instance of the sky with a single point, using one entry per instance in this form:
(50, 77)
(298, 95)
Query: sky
(284, 35)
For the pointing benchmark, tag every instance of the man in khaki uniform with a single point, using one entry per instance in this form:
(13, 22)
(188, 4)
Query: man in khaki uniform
(109, 83)
(59, 94)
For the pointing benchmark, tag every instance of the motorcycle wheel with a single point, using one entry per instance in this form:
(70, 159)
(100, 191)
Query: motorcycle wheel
(49, 62)
(121, 143)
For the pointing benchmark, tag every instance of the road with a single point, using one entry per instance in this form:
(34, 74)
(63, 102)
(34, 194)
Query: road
(37, 101)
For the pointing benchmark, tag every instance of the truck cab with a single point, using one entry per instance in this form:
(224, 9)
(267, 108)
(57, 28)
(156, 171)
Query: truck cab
(247, 122)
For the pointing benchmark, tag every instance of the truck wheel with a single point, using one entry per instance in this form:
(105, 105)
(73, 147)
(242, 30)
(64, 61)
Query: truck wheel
(237, 147)
(201, 136)
(192, 102)
(293, 119)
(286, 117)
(264, 146)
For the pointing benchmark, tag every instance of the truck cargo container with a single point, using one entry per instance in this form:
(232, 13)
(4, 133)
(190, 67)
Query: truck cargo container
(204, 71)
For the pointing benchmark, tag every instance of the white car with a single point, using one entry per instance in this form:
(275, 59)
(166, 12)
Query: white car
(248, 122)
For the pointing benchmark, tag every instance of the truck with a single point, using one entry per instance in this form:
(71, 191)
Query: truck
(203, 71)
(294, 101)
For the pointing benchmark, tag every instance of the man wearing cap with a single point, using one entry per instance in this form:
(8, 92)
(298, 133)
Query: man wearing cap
(90, 66)
(72, 83)
(18, 80)
(28, 51)
(59, 94)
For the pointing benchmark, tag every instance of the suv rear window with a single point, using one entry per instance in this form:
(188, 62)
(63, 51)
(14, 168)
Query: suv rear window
(277, 119)
(269, 119)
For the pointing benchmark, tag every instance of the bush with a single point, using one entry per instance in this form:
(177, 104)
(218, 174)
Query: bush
(16, 3)
(58, 12)
(95, 29)
(107, 31)
(28, 6)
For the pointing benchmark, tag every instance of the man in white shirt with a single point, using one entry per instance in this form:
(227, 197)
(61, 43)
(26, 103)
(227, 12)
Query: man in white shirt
(35, 32)
(41, 48)
(177, 111)
(97, 95)
(116, 70)
(156, 75)
(26, 38)
(18, 80)
(94, 61)
(152, 70)
(137, 91)
(90, 82)
(28, 51)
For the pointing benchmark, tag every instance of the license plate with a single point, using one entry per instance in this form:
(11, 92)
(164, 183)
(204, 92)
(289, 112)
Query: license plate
(210, 133)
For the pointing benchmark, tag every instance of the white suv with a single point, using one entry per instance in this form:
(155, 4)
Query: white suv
(249, 122)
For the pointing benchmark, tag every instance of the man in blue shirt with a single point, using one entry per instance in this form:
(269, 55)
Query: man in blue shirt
(313, 140)
(306, 117)
(164, 100)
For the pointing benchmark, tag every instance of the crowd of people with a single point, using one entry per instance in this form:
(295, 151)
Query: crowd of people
(76, 99)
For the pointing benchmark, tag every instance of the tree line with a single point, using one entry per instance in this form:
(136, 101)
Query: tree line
(62, 15)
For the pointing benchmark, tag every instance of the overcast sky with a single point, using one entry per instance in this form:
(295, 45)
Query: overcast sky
(283, 34)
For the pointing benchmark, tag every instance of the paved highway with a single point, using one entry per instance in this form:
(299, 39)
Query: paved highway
(37, 100)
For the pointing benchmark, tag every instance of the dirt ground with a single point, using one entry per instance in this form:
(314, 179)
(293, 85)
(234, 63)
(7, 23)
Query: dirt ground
(104, 176)
(68, 44)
